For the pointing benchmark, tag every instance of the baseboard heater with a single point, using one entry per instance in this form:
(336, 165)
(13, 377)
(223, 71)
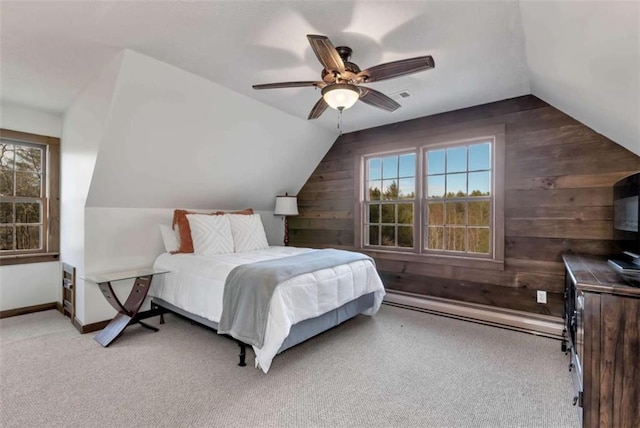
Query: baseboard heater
(542, 325)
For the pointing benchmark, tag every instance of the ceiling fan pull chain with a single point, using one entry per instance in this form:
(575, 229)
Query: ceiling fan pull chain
(340, 120)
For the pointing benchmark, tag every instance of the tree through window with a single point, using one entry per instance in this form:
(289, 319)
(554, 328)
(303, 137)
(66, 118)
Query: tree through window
(458, 197)
(436, 199)
(23, 203)
(390, 200)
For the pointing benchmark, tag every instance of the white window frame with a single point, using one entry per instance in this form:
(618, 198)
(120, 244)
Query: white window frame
(424, 200)
(414, 201)
(439, 139)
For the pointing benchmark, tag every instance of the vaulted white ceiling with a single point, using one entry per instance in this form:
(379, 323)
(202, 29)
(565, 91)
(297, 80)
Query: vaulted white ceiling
(582, 57)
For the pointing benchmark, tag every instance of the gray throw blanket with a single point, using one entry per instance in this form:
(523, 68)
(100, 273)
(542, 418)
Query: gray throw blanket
(249, 287)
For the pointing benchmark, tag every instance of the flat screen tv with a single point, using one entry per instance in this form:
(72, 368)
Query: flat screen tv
(626, 216)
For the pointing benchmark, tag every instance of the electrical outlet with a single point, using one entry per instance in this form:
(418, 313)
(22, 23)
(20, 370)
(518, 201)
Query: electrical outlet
(542, 296)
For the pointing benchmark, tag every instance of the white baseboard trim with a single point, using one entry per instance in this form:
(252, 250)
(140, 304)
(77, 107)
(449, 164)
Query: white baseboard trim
(543, 325)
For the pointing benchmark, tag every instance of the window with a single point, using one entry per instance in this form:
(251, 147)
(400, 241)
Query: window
(459, 198)
(26, 190)
(443, 198)
(391, 199)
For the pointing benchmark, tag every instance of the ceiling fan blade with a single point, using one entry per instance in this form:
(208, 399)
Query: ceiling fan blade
(377, 99)
(289, 85)
(326, 53)
(318, 109)
(393, 69)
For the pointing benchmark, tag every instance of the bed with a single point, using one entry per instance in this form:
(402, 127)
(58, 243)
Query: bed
(300, 307)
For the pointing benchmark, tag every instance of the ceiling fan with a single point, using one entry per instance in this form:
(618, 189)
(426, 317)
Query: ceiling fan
(341, 79)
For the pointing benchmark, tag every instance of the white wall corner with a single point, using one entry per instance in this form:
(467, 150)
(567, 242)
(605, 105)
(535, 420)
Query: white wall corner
(83, 128)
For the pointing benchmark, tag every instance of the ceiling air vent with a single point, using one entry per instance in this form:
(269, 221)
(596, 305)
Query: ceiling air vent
(401, 95)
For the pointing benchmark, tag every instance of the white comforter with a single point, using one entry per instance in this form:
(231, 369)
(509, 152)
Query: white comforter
(196, 284)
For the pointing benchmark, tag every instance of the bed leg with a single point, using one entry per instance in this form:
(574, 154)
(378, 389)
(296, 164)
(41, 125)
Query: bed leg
(243, 353)
(154, 308)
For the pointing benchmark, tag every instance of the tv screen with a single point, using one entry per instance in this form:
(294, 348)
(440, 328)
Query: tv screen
(626, 215)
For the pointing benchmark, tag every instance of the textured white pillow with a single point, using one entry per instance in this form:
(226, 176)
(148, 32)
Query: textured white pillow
(169, 238)
(211, 234)
(248, 232)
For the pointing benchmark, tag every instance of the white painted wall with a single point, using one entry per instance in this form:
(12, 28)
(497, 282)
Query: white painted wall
(583, 60)
(83, 129)
(29, 285)
(34, 283)
(175, 139)
(18, 118)
(147, 137)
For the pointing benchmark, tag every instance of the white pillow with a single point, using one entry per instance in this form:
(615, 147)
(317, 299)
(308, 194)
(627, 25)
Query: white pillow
(211, 234)
(170, 238)
(248, 232)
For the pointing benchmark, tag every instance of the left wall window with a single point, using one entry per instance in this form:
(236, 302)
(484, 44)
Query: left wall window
(29, 197)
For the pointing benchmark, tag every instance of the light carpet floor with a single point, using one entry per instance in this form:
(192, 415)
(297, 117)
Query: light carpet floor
(400, 368)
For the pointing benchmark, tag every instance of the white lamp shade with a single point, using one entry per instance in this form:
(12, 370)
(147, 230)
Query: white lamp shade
(340, 95)
(286, 205)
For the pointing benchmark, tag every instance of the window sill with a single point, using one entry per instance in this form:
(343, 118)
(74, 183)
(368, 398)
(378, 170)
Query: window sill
(468, 262)
(22, 259)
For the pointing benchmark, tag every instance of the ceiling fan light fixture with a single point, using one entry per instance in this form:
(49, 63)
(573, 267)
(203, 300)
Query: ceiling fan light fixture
(340, 96)
(341, 79)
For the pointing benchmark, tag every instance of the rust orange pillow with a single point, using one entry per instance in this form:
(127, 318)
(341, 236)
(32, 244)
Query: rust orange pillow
(180, 218)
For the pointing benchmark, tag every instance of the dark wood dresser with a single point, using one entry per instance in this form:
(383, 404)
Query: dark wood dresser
(602, 318)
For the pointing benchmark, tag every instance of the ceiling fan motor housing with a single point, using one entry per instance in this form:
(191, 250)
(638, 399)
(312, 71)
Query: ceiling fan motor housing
(351, 69)
(344, 52)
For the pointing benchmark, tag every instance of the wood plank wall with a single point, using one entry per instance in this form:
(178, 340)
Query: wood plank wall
(558, 196)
